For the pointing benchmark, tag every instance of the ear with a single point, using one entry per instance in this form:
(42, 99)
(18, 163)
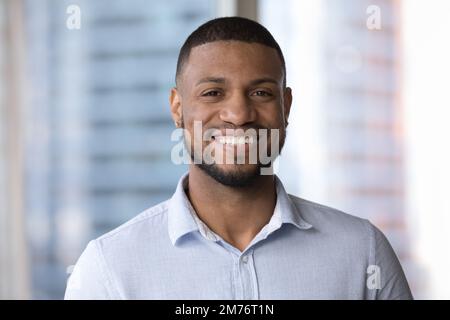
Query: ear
(287, 104)
(175, 107)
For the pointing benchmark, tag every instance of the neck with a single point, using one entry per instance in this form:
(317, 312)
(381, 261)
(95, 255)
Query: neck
(235, 214)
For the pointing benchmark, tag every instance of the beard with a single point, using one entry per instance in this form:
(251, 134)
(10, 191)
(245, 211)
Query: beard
(241, 176)
(237, 178)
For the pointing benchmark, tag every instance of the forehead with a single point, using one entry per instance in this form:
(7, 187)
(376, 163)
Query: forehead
(231, 59)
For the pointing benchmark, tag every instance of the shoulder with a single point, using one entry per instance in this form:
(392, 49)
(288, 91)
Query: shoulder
(336, 223)
(356, 239)
(147, 227)
(125, 246)
(321, 215)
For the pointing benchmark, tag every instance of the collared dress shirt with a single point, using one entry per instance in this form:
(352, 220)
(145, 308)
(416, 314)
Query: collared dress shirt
(306, 251)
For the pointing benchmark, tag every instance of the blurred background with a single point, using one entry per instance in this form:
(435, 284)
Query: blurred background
(85, 124)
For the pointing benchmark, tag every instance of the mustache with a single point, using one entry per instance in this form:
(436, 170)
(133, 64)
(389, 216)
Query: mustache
(223, 128)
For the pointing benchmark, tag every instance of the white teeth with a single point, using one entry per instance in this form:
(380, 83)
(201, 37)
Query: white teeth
(234, 140)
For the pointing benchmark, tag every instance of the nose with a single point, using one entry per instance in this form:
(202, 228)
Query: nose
(238, 110)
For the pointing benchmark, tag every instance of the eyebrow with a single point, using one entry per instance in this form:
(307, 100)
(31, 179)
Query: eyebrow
(223, 80)
(211, 79)
(264, 80)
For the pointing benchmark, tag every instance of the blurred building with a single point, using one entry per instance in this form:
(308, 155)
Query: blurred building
(363, 118)
(348, 125)
(99, 121)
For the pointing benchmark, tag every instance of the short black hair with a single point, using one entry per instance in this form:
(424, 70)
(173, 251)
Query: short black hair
(229, 28)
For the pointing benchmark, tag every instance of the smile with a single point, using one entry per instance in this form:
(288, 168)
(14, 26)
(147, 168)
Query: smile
(234, 140)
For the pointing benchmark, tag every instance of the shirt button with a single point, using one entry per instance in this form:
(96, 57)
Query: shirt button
(244, 259)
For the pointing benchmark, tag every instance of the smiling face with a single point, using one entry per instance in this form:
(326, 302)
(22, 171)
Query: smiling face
(231, 85)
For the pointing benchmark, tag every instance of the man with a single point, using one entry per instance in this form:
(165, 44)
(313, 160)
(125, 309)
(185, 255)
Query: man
(231, 231)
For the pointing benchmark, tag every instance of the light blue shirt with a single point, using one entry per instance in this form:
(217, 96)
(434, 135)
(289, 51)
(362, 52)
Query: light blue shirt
(306, 251)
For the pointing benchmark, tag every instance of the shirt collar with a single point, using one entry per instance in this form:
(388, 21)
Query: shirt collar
(285, 210)
(182, 218)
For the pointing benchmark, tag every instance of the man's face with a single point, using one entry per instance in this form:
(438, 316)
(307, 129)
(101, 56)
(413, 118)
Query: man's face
(231, 85)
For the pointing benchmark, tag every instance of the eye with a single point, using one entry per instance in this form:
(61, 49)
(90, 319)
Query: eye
(261, 93)
(211, 93)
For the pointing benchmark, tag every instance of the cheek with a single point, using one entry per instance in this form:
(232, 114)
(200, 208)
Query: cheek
(197, 112)
(273, 117)
(195, 134)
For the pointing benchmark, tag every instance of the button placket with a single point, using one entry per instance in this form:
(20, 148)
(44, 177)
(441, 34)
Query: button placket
(247, 275)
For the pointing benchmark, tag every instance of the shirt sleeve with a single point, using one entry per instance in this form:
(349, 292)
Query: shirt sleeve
(386, 279)
(89, 280)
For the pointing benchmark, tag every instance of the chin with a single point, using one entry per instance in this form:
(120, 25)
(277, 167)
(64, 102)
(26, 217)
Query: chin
(232, 175)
